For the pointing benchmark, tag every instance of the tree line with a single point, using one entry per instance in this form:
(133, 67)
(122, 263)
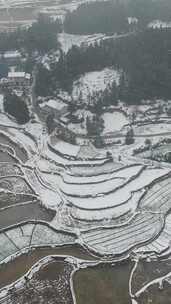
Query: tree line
(144, 59)
(112, 16)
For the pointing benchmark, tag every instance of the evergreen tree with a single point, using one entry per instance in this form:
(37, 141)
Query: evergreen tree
(50, 122)
(129, 139)
(95, 126)
(16, 107)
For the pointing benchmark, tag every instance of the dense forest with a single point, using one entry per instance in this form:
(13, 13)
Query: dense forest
(17, 107)
(144, 59)
(112, 16)
(97, 17)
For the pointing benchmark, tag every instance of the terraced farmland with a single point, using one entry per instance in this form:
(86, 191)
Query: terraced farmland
(116, 241)
(28, 235)
(158, 197)
(114, 210)
(106, 195)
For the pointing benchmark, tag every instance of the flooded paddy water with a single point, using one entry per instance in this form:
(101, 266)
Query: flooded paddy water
(10, 199)
(149, 271)
(26, 212)
(103, 284)
(15, 269)
(155, 295)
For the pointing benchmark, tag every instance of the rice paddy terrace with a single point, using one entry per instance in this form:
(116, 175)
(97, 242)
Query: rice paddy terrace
(91, 212)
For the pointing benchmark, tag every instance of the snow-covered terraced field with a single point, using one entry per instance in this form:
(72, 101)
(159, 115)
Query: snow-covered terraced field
(88, 171)
(112, 206)
(158, 152)
(109, 214)
(162, 244)
(29, 235)
(49, 195)
(158, 197)
(117, 241)
(67, 155)
(85, 187)
(116, 198)
(99, 196)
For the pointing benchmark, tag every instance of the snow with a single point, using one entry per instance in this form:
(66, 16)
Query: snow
(88, 190)
(96, 170)
(12, 54)
(120, 196)
(44, 236)
(155, 24)
(35, 129)
(92, 189)
(69, 40)
(66, 148)
(7, 248)
(64, 161)
(19, 75)
(128, 208)
(158, 197)
(16, 239)
(6, 121)
(105, 185)
(23, 139)
(160, 245)
(153, 129)
(114, 121)
(49, 196)
(80, 128)
(1, 102)
(94, 82)
(45, 165)
(132, 20)
(16, 236)
(116, 241)
(83, 179)
(54, 104)
(27, 229)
